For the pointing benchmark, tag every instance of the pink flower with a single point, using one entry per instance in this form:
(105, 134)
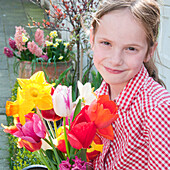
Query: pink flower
(30, 133)
(34, 49)
(65, 165)
(39, 37)
(62, 101)
(44, 57)
(8, 52)
(12, 44)
(18, 38)
(78, 164)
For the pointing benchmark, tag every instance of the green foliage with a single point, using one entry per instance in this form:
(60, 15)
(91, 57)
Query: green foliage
(96, 79)
(20, 157)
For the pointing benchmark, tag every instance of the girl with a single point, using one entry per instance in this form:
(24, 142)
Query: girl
(123, 39)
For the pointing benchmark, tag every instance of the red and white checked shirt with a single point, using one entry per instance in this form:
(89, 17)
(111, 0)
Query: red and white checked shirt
(141, 133)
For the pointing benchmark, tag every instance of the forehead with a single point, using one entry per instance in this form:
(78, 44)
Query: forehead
(121, 24)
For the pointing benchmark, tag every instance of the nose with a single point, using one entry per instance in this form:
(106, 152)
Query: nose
(116, 57)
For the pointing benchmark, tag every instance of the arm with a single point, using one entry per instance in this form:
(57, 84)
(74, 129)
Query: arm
(158, 127)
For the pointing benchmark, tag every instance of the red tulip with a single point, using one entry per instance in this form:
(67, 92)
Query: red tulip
(82, 131)
(60, 141)
(29, 146)
(50, 115)
(93, 154)
(102, 112)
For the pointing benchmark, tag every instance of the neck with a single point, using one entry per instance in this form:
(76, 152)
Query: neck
(115, 90)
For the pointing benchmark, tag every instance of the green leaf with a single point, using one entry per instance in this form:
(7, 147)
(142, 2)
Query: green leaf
(51, 156)
(78, 109)
(82, 154)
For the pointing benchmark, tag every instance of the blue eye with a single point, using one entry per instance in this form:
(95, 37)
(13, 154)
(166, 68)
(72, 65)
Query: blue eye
(105, 43)
(131, 49)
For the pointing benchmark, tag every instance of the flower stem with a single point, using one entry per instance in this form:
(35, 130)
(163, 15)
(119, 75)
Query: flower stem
(65, 136)
(43, 159)
(51, 129)
(55, 127)
(55, 151)
(69, 123)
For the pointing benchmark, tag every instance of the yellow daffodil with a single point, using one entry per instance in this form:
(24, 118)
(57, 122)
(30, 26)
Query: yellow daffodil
(58, 40)
(53, 34)
(48, 43)
(56, 44)
(24, 38)
(35, 92)
(66, 44)
(60, 58)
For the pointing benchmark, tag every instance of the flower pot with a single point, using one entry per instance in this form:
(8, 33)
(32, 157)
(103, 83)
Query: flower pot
(35, 167)
(53, 70)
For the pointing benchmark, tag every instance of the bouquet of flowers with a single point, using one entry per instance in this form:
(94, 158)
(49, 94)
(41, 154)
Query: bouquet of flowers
(64, 134)
(49, 49)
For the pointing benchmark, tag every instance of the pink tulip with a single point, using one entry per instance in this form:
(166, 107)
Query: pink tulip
(8, 52)
(34, 49)
(12, 44)
(62, 101)
(39, 36)
(30, 133)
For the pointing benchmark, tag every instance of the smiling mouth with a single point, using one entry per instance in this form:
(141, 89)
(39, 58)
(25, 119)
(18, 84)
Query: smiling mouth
(113, 71)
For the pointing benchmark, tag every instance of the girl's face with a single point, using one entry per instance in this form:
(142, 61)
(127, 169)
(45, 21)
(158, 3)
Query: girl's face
(119, 47)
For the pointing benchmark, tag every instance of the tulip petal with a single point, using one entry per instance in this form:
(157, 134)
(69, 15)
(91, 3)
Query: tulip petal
(106, 132)
(50, 115)
(74, 142)
(80, 132)
(29, 146)
(60, 143)
(95, 149)
(10, 129)
(38, 127)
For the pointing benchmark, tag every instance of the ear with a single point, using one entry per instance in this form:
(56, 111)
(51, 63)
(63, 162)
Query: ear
(91, 37)
(151, 52)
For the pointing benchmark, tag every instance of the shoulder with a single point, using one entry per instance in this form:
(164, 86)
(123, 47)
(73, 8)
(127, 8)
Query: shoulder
(156, 104)
(155, 93)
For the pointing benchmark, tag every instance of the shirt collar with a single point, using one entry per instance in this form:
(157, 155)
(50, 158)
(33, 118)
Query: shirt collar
(125, 98)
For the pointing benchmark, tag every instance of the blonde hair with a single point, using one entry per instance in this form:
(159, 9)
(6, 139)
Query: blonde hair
(146, 12)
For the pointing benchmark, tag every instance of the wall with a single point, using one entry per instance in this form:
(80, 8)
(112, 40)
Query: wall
(164, 43)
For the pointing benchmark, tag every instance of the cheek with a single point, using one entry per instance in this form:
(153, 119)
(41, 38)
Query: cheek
(134, 62)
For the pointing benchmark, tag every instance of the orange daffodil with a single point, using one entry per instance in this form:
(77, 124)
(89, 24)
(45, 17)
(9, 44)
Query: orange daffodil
(33, 92)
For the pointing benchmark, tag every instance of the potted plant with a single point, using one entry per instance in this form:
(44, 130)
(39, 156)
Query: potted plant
(51, 54)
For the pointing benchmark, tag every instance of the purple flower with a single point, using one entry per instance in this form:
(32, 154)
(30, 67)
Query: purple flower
(12, 44)
(65, 165)
(79, 164)
(44, 57)
(8, 52)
